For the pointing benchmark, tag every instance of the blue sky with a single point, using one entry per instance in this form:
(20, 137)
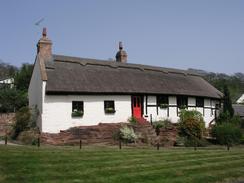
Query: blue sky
(202, 34)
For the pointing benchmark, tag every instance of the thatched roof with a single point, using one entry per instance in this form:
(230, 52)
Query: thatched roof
(71, 75)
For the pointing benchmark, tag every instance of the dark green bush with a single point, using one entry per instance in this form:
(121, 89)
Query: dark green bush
(190, 142)
(23, 117)
(227, 134)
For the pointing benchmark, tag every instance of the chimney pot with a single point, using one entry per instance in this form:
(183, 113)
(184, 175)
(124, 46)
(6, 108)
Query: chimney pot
(44, 32)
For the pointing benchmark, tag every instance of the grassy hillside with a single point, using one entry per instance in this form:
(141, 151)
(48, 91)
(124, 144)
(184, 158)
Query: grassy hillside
(110, 165)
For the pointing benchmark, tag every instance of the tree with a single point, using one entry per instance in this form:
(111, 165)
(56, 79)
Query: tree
(23, 77)
(227, 106)
(11, 100)
(191, 125)
(227, 134)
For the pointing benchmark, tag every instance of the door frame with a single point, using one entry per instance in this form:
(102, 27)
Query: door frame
(142, 104)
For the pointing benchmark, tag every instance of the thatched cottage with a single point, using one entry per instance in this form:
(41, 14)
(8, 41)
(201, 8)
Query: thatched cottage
(71, 91)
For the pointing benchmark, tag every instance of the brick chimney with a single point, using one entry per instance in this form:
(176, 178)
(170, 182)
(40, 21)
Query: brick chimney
(121, 55)
(44, 46)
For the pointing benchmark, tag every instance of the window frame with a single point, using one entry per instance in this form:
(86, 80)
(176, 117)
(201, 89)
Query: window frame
(179, 100)
(77, 108)
(109, 106)
(199, 102)
(162, 101)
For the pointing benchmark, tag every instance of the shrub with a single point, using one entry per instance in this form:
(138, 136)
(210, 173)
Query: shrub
(161, 124)
(190, 142)
(191, 123)
(191, 126)
(132, 120)
(29, 137)
(128, 134)
(227, 134)
(23, 117)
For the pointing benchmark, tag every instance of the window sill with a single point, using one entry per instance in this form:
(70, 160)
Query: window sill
(77, 114)
(109, 111)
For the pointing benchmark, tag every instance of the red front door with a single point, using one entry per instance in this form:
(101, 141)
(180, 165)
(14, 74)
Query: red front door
(137, 106)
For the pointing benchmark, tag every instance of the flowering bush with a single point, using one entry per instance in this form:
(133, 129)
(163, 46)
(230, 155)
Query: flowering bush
(191, 126)
(128, 134)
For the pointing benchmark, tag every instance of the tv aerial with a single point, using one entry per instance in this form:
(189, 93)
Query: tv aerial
(39, 21)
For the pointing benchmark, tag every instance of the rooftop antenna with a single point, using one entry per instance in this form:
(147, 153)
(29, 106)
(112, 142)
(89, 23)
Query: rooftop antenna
(39, 21)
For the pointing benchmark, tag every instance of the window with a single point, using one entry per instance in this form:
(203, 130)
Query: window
(77, 108)
(218, 105)
(162, 101)
(182, 102)
(199, 102)
(109, 106)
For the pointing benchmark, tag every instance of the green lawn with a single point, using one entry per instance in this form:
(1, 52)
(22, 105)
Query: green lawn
(106, 164)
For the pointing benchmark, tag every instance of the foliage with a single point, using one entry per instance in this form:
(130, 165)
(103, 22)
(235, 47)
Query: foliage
(132, 120)
(190, 142)
(23, 77)
(234, 82)
(191, 124)
(227, 134)
(29, 137)
(7, 70)
(161, 124)
(163, 106)
(226, 118)
(77, 114)
(110, 110)
(227, 106)
(128, 134)
(23, 117)
(12, 100)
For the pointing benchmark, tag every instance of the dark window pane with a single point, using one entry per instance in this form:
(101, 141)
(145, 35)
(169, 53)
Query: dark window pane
(109, 104)
(182, 101)
(199, 102)
(162, 99)
(77, 106)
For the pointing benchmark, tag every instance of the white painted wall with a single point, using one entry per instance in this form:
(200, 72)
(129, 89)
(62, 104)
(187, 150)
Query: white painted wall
(35, 91)
(57, 111)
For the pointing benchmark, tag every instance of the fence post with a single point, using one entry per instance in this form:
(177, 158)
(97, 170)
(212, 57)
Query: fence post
(6, 139)
(120, 143)
(38, 141)
(151, 119)
(80, 143)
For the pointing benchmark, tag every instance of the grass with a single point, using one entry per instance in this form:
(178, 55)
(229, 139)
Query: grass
(110, 165)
